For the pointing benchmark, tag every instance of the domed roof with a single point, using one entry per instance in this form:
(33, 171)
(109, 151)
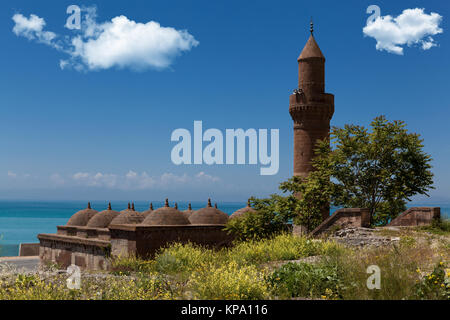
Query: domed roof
(165, 216)
(103, 218)
(187, 213)
(147, 212)
(208, 215)
(242, 211)
(127, 209)
(128, 216)
(82, 217)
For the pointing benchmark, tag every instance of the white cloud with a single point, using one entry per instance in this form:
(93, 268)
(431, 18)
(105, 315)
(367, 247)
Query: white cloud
(121, 42)
(170, 179)
(411, 27)
(57, 179)
(80, 176)
(12, 174)
(125, 43)
(32, 29)
(95, 180)
(140, 181)
(206, 177)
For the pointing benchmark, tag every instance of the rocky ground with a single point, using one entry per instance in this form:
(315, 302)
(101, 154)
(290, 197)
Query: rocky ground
(362, 237)
(19, 264)
(388, 236)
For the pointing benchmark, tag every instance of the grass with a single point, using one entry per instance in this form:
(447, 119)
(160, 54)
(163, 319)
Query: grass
(229, 282)
(32, 287)
(439, 228)
(184, 258)
(412, 269)
(342, 275)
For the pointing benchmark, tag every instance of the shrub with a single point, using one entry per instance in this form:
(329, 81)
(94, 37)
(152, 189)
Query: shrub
(440, 227)
(341, 274)
(229, 281)
(270, 219)
(281, 247)
(435, 285)
(32, 287)
(150, 287)
(398, 266)
(305, 280)
(126, 265)
(182, 258)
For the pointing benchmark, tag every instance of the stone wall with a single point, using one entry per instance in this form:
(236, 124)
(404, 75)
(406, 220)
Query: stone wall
(417, 216)
(91, 248)
(144, 241)
(91, 254)
(344, 218)
(28, 249)
(84, 232)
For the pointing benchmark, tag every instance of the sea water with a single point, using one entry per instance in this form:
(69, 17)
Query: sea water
(22, 221)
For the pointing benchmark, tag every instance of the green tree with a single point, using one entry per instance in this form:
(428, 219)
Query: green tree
(270, 218)
(380, 170)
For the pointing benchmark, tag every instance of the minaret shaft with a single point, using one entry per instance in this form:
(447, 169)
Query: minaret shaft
(310, 108)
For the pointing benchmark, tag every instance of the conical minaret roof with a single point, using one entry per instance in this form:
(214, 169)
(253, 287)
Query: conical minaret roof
(311, 49)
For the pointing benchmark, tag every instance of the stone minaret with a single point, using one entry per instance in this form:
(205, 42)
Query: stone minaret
(310, 107)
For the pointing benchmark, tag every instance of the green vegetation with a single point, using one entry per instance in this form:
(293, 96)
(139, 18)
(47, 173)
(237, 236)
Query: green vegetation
(342, 275)
(229, 281)
(305, 280)
(269, 219)
(186, 258)
(32, 287)
(441, 227)
(264, 269)
(379, 170)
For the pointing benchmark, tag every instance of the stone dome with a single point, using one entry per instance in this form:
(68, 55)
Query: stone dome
(165, 216)
(242, 211)
(103, 218)
(128, 216)
(208, 215)
(147, 212)
(187, 213)
(127, 209)
(82, 217)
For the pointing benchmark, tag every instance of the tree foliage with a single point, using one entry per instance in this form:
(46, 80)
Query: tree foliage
(270, 218)
(380, 169)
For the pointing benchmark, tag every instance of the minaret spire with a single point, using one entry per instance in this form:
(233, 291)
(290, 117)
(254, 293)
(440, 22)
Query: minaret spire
(311, 26)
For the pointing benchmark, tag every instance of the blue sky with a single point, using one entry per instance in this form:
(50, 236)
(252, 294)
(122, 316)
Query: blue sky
(59, 128)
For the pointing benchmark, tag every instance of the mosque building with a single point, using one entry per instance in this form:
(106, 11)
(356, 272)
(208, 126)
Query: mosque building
(90, 238)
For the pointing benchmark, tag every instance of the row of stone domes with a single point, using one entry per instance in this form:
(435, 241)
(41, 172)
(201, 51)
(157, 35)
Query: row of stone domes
(162, 216)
